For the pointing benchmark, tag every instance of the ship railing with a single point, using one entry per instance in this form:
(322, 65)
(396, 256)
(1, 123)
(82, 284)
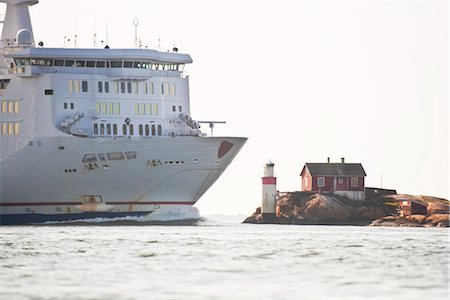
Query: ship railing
(189, 121)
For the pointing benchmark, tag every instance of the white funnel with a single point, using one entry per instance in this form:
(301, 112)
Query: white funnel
(17, 30)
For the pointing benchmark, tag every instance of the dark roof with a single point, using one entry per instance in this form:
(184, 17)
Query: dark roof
(334, 169)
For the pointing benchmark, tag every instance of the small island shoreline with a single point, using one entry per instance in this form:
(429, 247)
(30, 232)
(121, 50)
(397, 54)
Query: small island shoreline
(308, 208)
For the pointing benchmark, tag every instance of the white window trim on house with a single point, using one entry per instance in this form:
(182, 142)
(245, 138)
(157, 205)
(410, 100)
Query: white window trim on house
(354, 182)
(320, 181)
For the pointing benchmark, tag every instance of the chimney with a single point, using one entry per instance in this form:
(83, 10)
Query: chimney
(343, 160)
(328, 160)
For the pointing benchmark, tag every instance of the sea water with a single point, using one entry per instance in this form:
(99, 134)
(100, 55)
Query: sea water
(218, 258)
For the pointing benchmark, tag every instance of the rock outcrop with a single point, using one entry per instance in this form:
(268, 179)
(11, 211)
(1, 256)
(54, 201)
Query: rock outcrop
(313, 208)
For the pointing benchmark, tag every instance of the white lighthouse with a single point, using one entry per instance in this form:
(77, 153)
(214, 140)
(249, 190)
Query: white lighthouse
(269, 192)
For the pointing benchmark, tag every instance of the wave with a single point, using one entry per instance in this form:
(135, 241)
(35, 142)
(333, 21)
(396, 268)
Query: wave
(166, 215)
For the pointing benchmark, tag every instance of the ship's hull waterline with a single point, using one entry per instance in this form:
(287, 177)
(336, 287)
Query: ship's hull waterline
(47, 180)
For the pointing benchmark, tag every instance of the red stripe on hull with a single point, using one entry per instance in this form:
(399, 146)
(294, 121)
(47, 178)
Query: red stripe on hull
(78, 203)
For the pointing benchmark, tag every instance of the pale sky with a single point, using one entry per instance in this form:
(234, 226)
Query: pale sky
(303, 80)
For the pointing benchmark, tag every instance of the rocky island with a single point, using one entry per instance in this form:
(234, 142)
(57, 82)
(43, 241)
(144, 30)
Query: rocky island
(307, 208)
(335, 194)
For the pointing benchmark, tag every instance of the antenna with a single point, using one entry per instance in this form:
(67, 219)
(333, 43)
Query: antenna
(95, 40)
(106, 39)
(211, 124)
(75, 41)
(135, 23)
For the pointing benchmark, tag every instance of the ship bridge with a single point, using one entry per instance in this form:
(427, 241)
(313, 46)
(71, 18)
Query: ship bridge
(112, 62)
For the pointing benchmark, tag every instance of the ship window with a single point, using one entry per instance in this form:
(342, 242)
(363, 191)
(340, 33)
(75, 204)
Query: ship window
(166, 88)
(65, 105)
(84, 86)
(104, 108)
(142, 110)
(181, 67)
(136, 87)
(149, 109)
(70, 86)
(115, 156)
(147, 129)
(95, 128)
(180, 108)
(162, 88)
(102, 156)
(141, 129)
(155, 109)
(129, 87)
(174, 108)
(16, 128)
(145, 88)
(152, 88)
(137, 65)
(37, 62)
(10, 106)
(153, 129)
(144, 65)
(90, 158)
(108, 129)
(153, 163)
(80, 63)
(106, 86)
(16, 107)
(115, 129)
(117, 108)
(100, 64)
(69, 63)
(72, 106)
(122, 87)
(172, 89)
(116, 87)
(4, 128)
(90, 64)
(102, 129)
(136, 108)
(23, 62)
(116, 64)
(159, 130)
(4, 107)
(97, 107)
(111, 108)
(131, 154)
(100, 87)
(127, 64)
(131, 129)
(48, 92)
(58, 63)
(124, 129)
(76, 86)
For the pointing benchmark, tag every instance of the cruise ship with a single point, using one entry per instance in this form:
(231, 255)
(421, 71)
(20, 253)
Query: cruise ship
(97, 133)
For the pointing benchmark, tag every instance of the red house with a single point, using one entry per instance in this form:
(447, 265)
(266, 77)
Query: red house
(339, 178)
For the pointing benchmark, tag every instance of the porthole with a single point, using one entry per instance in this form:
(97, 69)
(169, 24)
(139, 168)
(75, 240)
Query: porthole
(195, 160)
(58, 209)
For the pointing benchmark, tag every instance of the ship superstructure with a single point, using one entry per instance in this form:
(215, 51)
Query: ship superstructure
(97, 132)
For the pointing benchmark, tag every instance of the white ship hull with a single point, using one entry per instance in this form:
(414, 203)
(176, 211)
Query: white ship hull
(97, 132)
(50, 181)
